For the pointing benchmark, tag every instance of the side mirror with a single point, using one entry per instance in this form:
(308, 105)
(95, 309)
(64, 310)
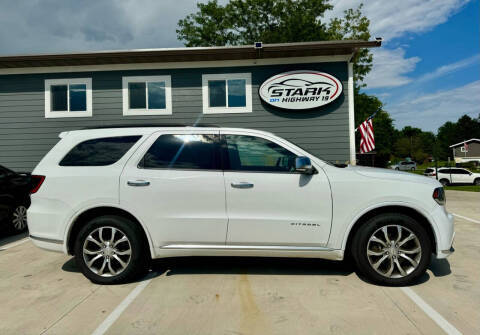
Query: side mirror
(304, 165)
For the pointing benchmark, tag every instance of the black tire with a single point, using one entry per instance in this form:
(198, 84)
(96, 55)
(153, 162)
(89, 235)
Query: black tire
(476, 182)
(139, 257)
(362, 236)
(398, 169)
(413, 169)
(444, 182)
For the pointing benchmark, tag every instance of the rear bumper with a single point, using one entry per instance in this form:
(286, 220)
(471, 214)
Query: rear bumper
(47, 243)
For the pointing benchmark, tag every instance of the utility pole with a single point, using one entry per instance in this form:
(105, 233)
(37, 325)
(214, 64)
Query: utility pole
(435, 156)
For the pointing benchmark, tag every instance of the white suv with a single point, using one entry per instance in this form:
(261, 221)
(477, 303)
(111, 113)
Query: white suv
(116, 198)
(448, 176)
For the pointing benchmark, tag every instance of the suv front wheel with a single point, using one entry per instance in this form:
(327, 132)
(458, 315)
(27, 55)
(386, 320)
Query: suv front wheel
(110, 250)
(392, 249)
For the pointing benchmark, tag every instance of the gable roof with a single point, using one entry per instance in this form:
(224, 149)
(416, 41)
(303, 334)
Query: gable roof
(461, 143)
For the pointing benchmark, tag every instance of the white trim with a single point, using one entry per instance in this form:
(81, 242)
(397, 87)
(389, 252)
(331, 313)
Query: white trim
(227, 76)
(472, 139)
(68, 82)
(146, 79)
(176, 65)
(115, 314)
(351, 115)
(465, 218)
(446, 326)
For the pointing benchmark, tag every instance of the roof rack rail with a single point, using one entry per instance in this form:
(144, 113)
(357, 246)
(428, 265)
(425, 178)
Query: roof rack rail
(153, 125)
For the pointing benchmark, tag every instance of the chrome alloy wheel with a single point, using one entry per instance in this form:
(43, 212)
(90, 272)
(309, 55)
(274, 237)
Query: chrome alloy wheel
(394, 251)
(107, 251)
(19, 218)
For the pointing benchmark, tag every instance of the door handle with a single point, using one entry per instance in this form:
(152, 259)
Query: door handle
(242, 184)
(138, 183)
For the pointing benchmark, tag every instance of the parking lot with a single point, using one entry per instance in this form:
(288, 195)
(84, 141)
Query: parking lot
(44, 293)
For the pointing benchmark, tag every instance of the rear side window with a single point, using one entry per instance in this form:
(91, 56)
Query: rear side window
(99, 151)
(183, 151)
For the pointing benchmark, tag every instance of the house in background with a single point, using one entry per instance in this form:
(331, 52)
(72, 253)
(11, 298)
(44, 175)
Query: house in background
(466, 151)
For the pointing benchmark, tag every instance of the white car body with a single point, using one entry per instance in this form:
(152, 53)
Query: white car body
(194, 212)
(456, 175)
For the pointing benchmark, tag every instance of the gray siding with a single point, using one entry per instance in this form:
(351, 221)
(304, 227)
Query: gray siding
(473, 150)
(26, 136)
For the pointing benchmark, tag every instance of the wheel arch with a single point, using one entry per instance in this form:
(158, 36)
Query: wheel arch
(403, 209)
(87, 214)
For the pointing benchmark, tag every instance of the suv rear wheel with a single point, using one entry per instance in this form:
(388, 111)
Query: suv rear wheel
(392, 249)
(18, 222)
(110, 250)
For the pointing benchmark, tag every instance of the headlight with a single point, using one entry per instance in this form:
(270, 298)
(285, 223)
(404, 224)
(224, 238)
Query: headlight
(439, 196)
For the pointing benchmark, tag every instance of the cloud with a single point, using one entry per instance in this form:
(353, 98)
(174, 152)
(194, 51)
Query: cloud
(391, 19)
(430, 111)
(450, 68)
(390, 68)
(69, 25)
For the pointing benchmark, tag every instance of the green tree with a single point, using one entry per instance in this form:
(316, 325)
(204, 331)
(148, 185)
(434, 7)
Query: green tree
(243, 22)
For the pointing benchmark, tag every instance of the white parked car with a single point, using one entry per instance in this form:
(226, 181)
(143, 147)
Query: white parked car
(116, 198)
(447, 176)
(405, 166)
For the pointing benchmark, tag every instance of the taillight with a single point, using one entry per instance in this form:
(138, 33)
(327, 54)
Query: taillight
(434, 174)
(439, 196)
(36, 182)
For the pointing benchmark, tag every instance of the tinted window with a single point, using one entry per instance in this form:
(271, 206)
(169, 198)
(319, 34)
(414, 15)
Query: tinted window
(78, 97)
(137, 95)
(59, 97)
(460, 171)
(237, 96)
(183, 151)
(156, 95)
(250, 153)
(217, 93)
(99, 152)
(444, 171)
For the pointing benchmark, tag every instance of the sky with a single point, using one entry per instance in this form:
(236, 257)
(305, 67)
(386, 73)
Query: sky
(427, 71)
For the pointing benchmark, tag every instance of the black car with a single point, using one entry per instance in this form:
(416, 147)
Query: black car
(14, 200)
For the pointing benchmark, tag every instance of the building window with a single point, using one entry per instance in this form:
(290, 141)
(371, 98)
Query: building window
(147, 95)
(227, 93)
(68, 98)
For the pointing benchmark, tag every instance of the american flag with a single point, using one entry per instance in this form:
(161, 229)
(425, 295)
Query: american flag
(367, 141)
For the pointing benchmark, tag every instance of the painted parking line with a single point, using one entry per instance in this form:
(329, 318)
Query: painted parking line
(103, 327)
(14, 244)
(433, 314)
(465, 218)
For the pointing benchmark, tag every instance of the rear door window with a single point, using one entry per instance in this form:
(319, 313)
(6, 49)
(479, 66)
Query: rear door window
(99, 151)
(183, 151)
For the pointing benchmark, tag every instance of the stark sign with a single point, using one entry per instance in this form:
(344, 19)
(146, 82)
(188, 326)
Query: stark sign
(302, 89)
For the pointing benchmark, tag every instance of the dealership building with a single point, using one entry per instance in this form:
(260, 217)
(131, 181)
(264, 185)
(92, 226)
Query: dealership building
(300, 91)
